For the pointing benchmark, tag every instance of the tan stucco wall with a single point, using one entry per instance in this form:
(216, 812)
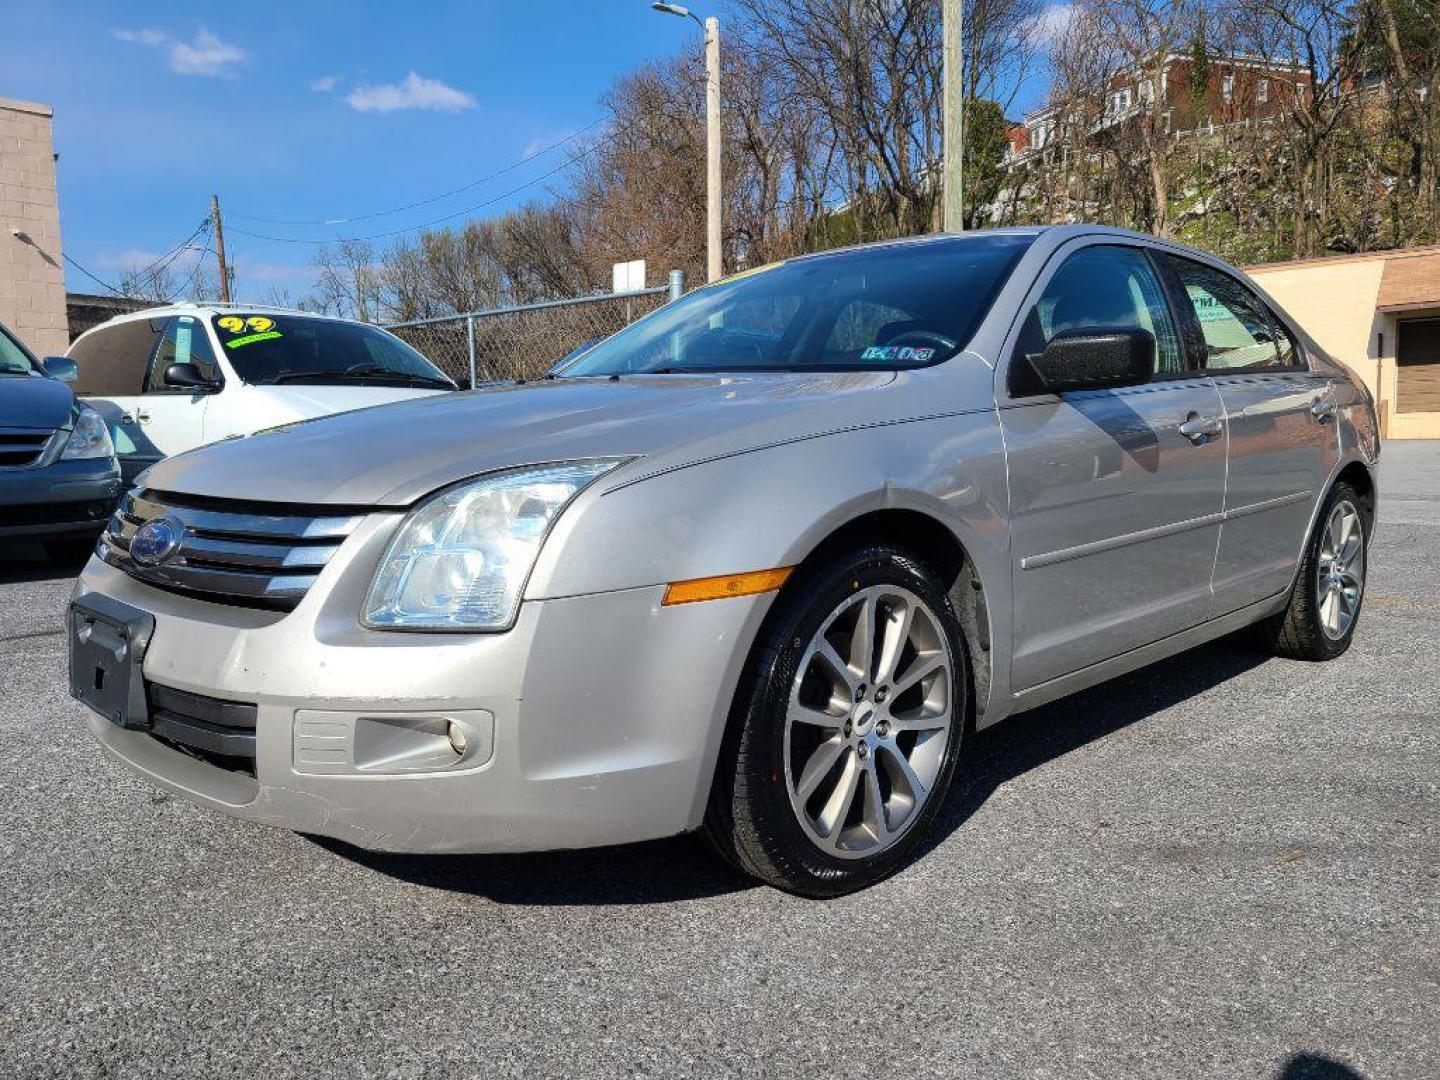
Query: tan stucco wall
(32, 279)
(1335, 301)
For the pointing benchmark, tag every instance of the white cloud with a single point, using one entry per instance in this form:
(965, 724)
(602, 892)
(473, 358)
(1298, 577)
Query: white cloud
(325, 84)
(141, 37)
(1051, 24)
(412, 92)
(207, 55)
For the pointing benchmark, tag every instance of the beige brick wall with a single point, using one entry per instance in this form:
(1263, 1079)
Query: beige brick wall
(1335, 300)
(32, 277)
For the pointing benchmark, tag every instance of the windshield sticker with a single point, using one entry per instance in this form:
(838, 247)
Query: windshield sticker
(250, 339)
(253, 328)
(900, 353)
(236, 324)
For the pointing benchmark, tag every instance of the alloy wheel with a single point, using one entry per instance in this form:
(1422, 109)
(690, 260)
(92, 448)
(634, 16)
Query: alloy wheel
(868, 721)
(1340, 570)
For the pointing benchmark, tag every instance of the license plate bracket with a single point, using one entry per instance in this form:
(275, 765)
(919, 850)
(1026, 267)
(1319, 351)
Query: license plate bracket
(108, 640)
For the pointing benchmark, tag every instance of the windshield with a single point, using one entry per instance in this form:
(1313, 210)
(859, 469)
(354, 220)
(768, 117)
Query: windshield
(13, 359)
(298, 349)
(891, 307)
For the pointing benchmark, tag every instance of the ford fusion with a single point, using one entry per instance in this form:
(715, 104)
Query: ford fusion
(757, 566)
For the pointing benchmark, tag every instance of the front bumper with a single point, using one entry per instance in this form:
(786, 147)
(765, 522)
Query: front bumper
(597, 718)
(62, 498)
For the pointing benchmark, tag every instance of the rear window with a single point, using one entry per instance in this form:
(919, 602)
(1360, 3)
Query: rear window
(886, 308)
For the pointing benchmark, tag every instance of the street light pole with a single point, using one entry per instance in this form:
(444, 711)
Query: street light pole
(953, 75)
(714, 270)
(714, 262)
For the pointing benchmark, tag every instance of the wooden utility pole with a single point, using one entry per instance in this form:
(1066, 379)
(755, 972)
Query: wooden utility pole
(220, 249)
(953, 74)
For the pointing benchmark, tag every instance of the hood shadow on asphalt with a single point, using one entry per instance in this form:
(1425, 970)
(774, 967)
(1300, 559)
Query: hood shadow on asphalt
(680, 869)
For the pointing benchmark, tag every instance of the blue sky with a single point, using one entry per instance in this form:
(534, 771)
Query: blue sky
(305, 110)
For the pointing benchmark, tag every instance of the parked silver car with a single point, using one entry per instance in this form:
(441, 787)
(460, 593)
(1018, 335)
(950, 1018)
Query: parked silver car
(756, 565)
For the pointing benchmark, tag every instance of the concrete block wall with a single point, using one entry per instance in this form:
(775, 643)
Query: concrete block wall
(32, 276)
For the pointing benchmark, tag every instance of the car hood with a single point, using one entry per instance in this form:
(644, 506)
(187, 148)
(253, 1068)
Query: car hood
(303, 401)
(29, 401)
(393, 455)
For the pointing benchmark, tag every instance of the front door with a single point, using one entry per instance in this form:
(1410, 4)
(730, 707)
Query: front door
(173, 417)
(1283, 441)
(1115, 512)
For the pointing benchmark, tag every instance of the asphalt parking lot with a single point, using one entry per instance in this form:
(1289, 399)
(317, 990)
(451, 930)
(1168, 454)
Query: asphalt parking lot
(1221, 866)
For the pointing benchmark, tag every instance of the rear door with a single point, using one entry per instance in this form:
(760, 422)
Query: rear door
(1283, 441)
(113, 361)
(1115, 512)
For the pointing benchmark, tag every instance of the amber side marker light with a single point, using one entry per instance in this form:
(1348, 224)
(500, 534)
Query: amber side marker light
(718, 588)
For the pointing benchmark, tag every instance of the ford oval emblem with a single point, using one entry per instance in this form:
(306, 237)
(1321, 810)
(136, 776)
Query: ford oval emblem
(156, 541)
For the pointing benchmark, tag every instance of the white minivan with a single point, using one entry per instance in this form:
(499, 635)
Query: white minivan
(172, 378)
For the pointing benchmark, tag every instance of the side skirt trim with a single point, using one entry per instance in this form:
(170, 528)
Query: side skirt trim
(1144, 655)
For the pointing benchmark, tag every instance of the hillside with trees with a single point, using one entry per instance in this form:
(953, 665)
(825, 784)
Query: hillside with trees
(832, 122)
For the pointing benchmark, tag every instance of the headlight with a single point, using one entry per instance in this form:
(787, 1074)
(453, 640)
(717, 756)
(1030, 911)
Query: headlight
(460, 560)
(90, 438)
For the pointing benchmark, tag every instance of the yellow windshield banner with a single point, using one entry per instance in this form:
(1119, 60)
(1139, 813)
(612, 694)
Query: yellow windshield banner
(253, 328)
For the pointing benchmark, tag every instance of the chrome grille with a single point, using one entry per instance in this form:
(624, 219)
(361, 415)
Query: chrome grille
(21, 448)
(230, 551)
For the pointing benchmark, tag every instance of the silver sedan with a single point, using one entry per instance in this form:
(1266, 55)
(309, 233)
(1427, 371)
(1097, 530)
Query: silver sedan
(756, 566)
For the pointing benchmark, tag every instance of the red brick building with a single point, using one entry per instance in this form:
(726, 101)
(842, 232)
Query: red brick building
(1238, 89)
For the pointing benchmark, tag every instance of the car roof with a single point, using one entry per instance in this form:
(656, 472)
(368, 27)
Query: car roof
(1056, 234)
(210, 307)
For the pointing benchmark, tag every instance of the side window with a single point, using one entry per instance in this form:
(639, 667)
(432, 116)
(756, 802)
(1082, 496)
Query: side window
(13, 358)
(184, 342)
(1105, 288)
(112, 359)
(1236, 326)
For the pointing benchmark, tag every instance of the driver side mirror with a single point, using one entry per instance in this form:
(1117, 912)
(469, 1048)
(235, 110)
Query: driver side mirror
(61, 368)
(189, 377)
(1093, 359)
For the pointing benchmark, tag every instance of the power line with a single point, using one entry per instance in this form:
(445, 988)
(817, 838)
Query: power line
(171, 254)
(92, 277)
(425, 225)
(194, 273)
(429, 199)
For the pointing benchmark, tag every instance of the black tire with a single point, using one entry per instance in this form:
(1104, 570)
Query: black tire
(750, 821)
(69, 550)
(1298, 632)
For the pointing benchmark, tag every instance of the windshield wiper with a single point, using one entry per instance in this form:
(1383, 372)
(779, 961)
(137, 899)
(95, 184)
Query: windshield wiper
(360, 371)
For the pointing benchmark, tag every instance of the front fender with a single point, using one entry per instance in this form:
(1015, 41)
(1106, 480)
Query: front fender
(773, 507)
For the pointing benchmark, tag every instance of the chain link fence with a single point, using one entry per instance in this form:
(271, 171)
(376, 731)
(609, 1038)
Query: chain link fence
(525, 341)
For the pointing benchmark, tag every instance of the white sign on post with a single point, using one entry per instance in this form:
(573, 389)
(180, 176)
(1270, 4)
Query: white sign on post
(628, 276)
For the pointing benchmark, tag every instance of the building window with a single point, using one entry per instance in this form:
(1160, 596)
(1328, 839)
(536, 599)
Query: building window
(1262, 91)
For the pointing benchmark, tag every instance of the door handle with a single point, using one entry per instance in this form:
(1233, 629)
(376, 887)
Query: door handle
(1198, 429)
(1322, 410)
(142, 416)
